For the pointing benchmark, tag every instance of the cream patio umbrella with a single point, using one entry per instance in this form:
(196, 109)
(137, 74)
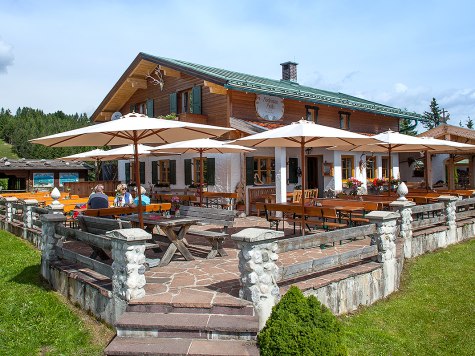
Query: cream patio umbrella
(304, 134)
(132, 128)
(392, 141)
(86, 156)
(201, 146)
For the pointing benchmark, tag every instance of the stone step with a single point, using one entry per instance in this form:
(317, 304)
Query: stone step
(174, 346)
(198, 326)
(235, 306)
(321, 279)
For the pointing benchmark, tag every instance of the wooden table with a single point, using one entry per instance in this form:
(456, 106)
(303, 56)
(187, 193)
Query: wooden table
(347, 211)
(174, 228)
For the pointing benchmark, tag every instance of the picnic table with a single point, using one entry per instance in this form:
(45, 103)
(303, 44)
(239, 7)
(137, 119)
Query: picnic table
(175, 230)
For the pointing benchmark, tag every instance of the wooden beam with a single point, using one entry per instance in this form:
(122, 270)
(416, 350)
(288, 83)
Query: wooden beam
(137, 83)
(215, 88)
(170, 72)
(106, 114)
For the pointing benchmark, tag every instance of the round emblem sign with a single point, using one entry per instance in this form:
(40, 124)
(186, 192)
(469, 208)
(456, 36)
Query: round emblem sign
(270, 107)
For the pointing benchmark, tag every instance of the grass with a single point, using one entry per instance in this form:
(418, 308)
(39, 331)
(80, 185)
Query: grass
(34, 319)
(432, 314)
(6, 151)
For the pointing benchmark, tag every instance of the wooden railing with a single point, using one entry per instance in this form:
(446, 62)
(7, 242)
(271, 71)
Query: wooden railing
(429, 215)
(84, 189)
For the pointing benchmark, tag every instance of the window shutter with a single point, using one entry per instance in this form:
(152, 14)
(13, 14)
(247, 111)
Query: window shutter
(187, 171)
(196, 100)
(150, 108)
(173, 106)
(172, 172)
(249, 170)
(142, 172)
(132, 107)
(127, 172)
(210, 167)
(154, 172)
(293, 166)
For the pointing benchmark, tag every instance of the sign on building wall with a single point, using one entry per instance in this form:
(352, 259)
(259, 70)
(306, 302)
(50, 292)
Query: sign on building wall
(68, 177)
(269, 107)
(43, 180)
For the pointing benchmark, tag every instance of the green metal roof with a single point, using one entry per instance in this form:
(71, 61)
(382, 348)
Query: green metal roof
(281, 88)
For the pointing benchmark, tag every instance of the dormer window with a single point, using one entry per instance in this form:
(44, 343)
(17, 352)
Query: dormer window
(344, 120)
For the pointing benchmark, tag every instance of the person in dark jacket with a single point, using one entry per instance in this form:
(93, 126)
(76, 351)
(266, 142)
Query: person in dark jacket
(98, 200)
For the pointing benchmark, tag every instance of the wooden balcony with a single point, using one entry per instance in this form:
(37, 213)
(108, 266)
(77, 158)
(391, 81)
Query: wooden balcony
(195, 118)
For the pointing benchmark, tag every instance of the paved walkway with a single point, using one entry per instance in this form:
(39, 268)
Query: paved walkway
(209, 282)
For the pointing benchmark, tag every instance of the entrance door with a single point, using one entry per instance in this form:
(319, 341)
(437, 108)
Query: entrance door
(315, 174)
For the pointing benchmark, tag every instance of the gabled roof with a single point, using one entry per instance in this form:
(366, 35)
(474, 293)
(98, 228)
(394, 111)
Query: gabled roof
(451, 133)
(255, 84)
(7, 164)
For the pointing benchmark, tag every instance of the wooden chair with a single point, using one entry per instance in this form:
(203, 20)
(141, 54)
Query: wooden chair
(296, 196)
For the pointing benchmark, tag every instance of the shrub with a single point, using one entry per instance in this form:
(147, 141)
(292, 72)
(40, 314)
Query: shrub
(301, 325)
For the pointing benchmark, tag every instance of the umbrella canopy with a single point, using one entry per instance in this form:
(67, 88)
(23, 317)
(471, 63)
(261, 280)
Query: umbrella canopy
(201, 146)
(132, 128)
(85, 156)
(391, 141)
(127, 152)
(305, 134)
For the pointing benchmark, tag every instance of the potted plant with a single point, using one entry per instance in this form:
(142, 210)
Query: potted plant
(353, 184)
(378, 184)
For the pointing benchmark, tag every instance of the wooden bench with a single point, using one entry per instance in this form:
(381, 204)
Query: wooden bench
(114, 212)
(220, 217)
(101, 226)
(220, 200)
(291, 213)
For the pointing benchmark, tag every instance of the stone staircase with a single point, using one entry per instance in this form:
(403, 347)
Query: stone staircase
(185, 329)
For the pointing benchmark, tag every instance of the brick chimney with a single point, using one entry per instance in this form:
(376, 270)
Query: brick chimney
(289, 71)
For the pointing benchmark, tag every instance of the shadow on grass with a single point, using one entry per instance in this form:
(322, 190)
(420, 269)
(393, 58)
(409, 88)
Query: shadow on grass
(31, 275)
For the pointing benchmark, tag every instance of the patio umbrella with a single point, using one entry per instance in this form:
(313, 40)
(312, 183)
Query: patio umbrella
(132, 128)
(391, 141)
(304, 134)
(86, 156)
(201, 146)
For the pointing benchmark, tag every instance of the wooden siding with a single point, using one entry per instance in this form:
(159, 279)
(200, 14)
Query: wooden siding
(213, 105)
(243, 107)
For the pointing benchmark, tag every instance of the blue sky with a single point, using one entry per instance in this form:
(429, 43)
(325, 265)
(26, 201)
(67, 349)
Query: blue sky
(67, 55)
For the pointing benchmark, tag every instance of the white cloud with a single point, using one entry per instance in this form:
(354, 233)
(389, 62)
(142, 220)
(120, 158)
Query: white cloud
(400, 88)
(6, 56)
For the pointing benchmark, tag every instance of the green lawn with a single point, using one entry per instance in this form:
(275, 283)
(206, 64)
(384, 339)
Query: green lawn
(6, 151)
(35, 320)
(432, 314)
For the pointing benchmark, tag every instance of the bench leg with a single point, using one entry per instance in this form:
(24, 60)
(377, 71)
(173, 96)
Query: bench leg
(216, 248)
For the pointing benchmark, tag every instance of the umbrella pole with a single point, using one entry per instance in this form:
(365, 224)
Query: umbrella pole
(390, 170)
(201, 178)
(137, 179)
(302, 199)
(426, 169)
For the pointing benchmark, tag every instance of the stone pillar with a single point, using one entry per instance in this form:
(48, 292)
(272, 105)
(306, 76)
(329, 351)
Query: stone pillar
(9, 209)
(450, 213)
(385, 237)
(404, 208)
(280, 174)
(28, 204)
(128, 268)
(259, 271)
(56, 208)
(49, 241)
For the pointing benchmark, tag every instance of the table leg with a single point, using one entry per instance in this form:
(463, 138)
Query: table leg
(176, 244)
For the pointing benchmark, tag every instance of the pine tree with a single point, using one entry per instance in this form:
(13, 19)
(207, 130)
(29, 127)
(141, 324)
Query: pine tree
(434, 117)
(469, 123)
(407, 128)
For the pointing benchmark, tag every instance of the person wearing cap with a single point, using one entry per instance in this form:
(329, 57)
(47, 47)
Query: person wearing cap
(98, 200)
(122, 196)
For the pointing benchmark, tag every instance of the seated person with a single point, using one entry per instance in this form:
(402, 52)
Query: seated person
(145, 199)
(98, 200)
(122, 196)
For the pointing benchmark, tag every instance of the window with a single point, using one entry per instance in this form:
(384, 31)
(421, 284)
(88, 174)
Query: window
(196, 169)
(311, 113)
(185, 100)
(164, 171)
(141, 108)
(264, 170)
(347, 167)
(371, 167)
(344, 120)
(385, 167)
